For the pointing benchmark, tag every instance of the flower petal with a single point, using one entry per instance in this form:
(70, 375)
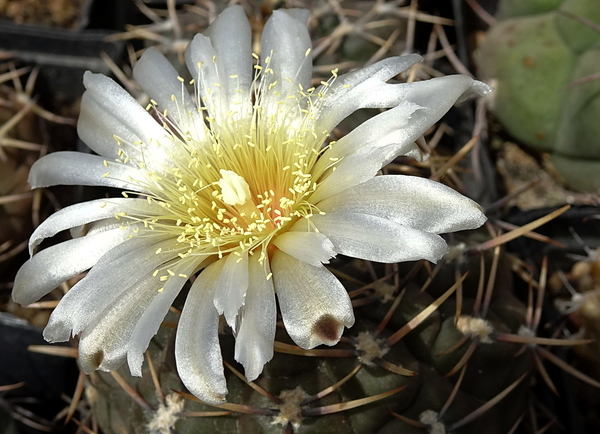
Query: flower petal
(150, 320)
(197, 349)
(436, 96)
(362, 88)
(118, 269)
(314, 305)
(391, 127)
(286, 42)
(103, 344)
(376, 239)
(310, 247)
(410, 201)
(103, 133)
(254, 342)
(56, 264)
(381, 139)
(87, 212)
(349, 172)
(232, 286)
(116, 101)
(77, 168)
(206, 69)
(159, 79)
(231, 38)
(111, 338)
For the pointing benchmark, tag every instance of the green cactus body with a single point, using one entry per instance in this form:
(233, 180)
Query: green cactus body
(427, 352)
(535, 55)
(516, 8)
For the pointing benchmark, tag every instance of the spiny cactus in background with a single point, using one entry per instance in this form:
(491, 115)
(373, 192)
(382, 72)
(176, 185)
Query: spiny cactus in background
(23, 129)
(24, 135)
(421, 359)
(543, 59)
(583, 284)
(435, 349)
(18, 136)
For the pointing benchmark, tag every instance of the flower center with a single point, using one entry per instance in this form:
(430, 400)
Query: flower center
(243, 180)
(234, 188)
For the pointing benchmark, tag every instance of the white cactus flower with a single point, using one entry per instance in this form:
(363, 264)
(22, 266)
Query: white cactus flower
(239, 183)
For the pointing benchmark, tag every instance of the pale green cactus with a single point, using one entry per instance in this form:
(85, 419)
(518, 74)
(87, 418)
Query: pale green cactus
(537, 56)
(413, 362)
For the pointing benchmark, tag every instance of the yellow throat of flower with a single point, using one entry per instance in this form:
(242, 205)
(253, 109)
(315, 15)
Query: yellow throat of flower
(248, 180)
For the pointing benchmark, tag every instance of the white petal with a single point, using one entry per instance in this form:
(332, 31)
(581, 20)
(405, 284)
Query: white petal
(118, 269)
(159, 79)
(314, 305)
(197, 349)
(254, 342)
(310, 247)
(436, 96)
(114, 137)
(232, 286)
(56, 264)
(86, 212)
(478, 88)
(111, 338)
(385, 129)
(231, 38)
(365, 150)
(116, 101)
(380, 71)
(150, 320)
(103, 225)
(103, 344)
(362, 88)
(410, 201)
(376, 239)
(285, 40)
(381, 139)
(349, 172)
(208, 73)
(77, 168)
(104, 133)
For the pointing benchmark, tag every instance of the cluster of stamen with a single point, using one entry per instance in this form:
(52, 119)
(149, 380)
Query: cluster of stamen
(241, 182)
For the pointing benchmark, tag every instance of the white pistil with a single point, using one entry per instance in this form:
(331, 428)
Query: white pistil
(234, 188)
(245, 179)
